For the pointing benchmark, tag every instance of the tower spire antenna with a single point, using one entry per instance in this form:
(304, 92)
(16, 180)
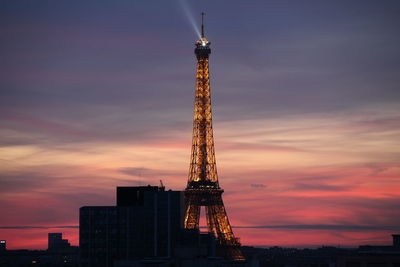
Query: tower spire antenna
(202, 24)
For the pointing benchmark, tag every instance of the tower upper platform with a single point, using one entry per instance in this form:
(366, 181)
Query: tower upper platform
(202, 49)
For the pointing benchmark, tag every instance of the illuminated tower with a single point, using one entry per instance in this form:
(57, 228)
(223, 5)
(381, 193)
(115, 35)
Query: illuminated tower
(203, 188)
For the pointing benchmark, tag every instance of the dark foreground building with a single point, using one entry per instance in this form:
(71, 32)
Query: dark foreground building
(145, 223)
(145, 228)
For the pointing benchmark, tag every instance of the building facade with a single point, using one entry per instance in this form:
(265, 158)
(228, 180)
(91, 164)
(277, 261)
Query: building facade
(3, 245)
(56, 242)
(145, 223)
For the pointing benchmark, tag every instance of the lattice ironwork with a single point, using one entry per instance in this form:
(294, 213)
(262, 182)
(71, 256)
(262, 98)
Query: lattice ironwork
(203, 187)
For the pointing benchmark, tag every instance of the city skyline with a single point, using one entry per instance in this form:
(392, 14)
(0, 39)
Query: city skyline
(305, 107)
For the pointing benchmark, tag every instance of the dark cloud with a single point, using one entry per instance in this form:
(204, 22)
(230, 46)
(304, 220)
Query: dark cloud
(39, 227)
(383, 123)
(321, 187)
(151, 173)
(136, 171)
(260, 146)
(44, 177)
(25, 182)
(317, 178)
(257, 185)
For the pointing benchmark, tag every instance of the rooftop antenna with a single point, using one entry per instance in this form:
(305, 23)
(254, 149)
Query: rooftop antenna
(202, 24)
(161, 184)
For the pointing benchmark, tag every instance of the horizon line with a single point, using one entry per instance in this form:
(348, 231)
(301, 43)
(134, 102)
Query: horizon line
(290, 226)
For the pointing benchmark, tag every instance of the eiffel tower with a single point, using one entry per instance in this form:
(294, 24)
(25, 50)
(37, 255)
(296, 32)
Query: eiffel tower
(203, 187)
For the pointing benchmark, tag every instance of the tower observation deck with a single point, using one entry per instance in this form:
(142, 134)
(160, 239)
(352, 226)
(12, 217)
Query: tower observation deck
(203, 188)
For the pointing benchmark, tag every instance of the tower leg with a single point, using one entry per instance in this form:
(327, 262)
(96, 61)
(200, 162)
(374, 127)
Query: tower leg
(218, 224)
(192, 213)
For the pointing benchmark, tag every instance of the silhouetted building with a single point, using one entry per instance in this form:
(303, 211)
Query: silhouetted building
(3, 245)
(27, 258)
(55, 242)
(145, 223)
(192, 249)
(194, 244)
(134, 195)
(375, 256)
(369, 260)
(396, 241)
(59, 254)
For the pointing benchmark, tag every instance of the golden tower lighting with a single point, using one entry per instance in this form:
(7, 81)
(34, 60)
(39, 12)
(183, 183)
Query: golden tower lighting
(203, 187)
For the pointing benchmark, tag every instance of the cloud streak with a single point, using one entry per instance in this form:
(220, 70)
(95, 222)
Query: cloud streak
(294, 227)
(324, 227)
(40, 227)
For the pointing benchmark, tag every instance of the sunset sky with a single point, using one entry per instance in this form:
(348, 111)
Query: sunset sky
(306, 107)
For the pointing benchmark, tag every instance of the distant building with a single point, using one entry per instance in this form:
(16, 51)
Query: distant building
(373, 256)
(145, 223)
(59, 254)
(25, 258)
(56, 242)
(367, 260)
(3, 245)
